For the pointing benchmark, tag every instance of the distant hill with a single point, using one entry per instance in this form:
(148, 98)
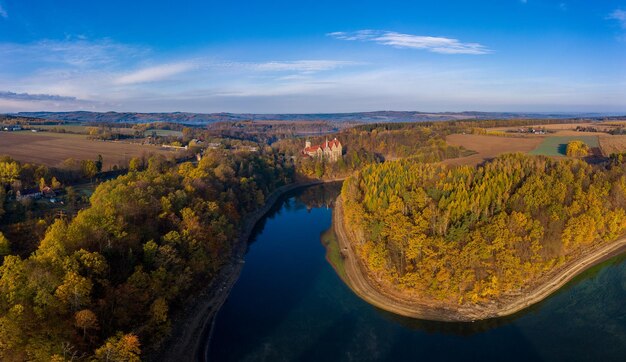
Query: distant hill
(364, 117)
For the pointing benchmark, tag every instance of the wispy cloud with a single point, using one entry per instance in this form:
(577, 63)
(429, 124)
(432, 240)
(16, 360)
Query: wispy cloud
(3, 12)
(34, 97)
(305, 66)
(79, 53)
(155, 73)
(206, 66)
(620, 16)
(433, 44)
(103, 72)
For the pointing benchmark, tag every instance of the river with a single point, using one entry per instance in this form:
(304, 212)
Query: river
(289, 304)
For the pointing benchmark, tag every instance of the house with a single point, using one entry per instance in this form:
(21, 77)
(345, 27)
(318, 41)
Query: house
(12, 128)
(48, 192)
(28, 194)
(329, 150)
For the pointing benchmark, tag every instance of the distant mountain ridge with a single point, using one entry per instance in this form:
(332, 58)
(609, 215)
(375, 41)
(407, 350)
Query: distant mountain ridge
(364, 117)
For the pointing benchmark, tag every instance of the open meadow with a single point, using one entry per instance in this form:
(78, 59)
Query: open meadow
(52, 149)
(557, 145)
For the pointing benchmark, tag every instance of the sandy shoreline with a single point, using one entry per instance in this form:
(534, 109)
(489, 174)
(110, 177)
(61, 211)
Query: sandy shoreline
(369, 290)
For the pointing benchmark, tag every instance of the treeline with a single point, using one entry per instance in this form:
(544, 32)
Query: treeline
(468, 235)
(463, 125)
(268, 132)
(18, 176)
(103, 285)
(364, 145)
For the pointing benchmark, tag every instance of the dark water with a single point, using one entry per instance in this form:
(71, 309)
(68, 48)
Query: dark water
(290, 305)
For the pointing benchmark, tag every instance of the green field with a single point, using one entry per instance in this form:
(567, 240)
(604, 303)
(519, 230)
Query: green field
(557, 145)
(163, 133)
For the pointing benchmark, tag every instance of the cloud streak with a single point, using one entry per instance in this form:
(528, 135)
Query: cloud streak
(434, 44)
(155, 73)
(34, 97)
(305, 66)
(166, 71)
(70, 53)
(3, 13)
(620, 16)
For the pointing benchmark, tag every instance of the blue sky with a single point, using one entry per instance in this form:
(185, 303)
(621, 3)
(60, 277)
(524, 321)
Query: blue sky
(313, 56)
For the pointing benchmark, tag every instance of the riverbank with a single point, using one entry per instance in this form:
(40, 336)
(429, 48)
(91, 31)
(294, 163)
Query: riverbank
(191, 333)
(364, 285)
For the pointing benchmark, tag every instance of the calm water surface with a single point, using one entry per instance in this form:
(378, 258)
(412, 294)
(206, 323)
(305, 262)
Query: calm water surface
(290, 305)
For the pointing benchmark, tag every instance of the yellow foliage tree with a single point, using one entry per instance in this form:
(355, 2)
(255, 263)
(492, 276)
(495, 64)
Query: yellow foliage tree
(577, 149)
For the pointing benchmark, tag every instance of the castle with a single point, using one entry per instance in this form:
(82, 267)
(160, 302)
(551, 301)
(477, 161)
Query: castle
(331, 151)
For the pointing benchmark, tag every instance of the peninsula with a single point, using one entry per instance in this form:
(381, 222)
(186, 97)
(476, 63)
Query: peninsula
(465, 243)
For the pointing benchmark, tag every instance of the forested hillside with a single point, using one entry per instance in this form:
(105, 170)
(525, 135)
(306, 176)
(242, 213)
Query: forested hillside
(105, 283)
(369, 144)
(467, 235)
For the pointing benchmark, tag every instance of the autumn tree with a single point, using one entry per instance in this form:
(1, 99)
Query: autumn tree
(5, 246)
(55, 184)
(577, 149)
(89, 168)
(134, 164)
(121, 348)
(86, 320)
(9, 172)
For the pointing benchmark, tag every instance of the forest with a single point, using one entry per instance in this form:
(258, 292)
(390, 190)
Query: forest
(368, 144)
(465, 235)
(105, 284)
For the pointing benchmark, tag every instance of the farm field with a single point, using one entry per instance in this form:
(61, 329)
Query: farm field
(566, 128)
(53, 148)
(488, 147)
(70, 128)
(612, 144)
(79, 129)
(557, 145)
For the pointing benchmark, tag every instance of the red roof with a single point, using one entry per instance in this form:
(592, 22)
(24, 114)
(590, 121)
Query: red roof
(331, 144)
(312, 148)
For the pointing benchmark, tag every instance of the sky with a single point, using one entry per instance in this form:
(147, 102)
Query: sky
(313, 56)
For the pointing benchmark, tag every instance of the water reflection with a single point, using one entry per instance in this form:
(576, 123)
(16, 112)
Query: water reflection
(290, 304)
